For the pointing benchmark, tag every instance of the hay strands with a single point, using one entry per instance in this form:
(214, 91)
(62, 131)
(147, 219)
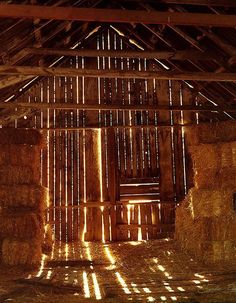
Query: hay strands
(70, 263)
(57, 286)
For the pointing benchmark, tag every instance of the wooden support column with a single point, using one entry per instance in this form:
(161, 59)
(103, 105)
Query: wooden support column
(165, 157)
(113, 178)
(93, 193)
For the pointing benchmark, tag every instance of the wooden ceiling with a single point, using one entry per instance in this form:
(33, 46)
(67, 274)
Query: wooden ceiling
(193, 40)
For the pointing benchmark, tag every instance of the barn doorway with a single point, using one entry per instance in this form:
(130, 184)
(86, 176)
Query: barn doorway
(104, 184)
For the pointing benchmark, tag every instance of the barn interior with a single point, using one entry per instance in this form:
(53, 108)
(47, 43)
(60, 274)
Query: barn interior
(117, 151)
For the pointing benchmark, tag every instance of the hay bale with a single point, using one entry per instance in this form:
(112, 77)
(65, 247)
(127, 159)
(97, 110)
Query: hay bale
(34, 197)
(48, 239)
(211, 133)
(208, 203)
(228, 154)
(15, 174)
(205, 156)
(21, 225)
(224, 178)
(25, 155)
(26, 253)
(21, 136)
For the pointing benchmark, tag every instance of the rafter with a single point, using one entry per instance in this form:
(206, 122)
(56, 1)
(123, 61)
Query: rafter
(175, 55)
(94, 73)
(115, 15)
(225, 3)
(105, 107)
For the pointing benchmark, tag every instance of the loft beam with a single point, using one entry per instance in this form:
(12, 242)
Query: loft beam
(224, 3)
(130, 74)
(105, 107)
(115, 15)
(168, 55)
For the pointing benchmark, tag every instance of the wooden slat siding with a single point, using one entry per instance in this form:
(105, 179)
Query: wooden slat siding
(76, 189)
(112, 178)
(70, 123)
(134, 220)
(81, 171)
(51, 147)
(57, 186)
(165, 153)
(105, 165)
(143, 221)
(122, 235)
(94, 217)
(63, 189)
(188, 118)
(140, 189)
(178, 151)
(69, 188)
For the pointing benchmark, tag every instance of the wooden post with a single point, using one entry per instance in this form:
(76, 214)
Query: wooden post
(113, 179)
(93, 194)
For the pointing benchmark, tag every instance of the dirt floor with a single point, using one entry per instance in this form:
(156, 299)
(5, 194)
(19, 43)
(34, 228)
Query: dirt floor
(153, 271)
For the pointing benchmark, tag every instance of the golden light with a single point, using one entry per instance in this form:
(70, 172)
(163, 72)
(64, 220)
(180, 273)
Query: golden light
(122, 283)
(49, 274)
(41, 266)
(151, 299)
(173, 298)
(135, 289)
(163, 298)
(86, 285)
(109, 255)
(181, 289)
(96, 287)
(66, 251)
(169, 288)
(146, 290)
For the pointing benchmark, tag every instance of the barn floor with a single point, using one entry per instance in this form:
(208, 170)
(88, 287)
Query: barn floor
(153, 271)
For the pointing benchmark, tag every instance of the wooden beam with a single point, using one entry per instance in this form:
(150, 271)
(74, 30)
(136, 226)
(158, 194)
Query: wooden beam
(115, 15)
(168, 55)
(8, 81)
(224, 3)
(105, 107)
(94, 73)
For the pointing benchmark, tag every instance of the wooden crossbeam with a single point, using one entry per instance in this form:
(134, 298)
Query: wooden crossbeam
(105, 107)
(115, 15)
(8, 81)
(224, 3)
(175, 55)
(129, 74)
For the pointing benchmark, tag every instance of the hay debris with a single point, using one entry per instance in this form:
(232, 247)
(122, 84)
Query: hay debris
(48, 239)
(14, 174)
(21, 225)
(15, 252)
(35, 197)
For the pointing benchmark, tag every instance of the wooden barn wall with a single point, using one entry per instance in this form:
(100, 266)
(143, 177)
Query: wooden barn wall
(138, 148)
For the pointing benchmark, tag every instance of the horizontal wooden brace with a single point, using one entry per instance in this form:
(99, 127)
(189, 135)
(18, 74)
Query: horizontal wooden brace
(80, 128)
(106, 204)
(115, 15)
(107, 107)
(168, 55)
(129, 74)
(224, 3)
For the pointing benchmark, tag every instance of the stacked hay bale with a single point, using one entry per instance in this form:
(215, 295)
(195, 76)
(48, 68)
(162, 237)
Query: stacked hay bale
(206, 219)
(22, 198)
